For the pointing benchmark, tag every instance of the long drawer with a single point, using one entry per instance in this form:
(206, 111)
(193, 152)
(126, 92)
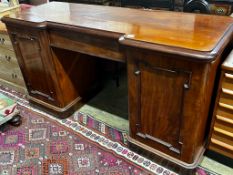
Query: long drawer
(221, 147)
(7, 57)
(227, 81)
(12, 75)
(5, 42)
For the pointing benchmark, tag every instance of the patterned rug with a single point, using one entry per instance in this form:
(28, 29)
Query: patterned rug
(46, 145)
(43, 145)
(100, 127)
(115, 134)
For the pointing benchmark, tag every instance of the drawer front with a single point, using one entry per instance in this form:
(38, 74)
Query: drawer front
(222, 141)
(11, 73)
(7, 57)
(224, 114)
(5, 42)
(224, 128)
(227, 82)
(85, 43)
(226, 93)
(226, 101)
(221, 147)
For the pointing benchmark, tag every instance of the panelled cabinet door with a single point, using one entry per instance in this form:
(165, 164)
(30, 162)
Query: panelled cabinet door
(161, 94)
(33, 67)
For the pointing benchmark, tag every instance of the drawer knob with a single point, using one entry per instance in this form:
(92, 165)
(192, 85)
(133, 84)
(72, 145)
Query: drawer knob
(2, 40)
(14, 76)
(8, 58)
(186, 86)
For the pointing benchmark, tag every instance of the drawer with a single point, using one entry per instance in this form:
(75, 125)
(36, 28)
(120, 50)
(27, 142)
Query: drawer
(222, 140)
(223, 128)
(224, 114)
(5, 41)
(224, 123)
(12, 75)
(103, 47)
(221, 147)
(7, 57)
(227, 82)
(226, 100)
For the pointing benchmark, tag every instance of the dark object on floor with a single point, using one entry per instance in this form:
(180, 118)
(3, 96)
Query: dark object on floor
(16, 120)
(24, 1)
(99, 2)
(199, 6)
(8, 111)
(217, 7)
(169, 4)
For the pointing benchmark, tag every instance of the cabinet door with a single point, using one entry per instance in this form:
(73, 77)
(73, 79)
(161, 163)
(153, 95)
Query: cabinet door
(160, 96)
(33, 66)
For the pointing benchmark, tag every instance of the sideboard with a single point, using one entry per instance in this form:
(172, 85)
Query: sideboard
(172, 59)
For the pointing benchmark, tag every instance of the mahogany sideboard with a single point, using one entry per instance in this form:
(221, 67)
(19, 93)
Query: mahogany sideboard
(172, 59)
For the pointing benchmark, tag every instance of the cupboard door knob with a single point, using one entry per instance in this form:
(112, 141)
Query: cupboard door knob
(137, 72)
(186, 86)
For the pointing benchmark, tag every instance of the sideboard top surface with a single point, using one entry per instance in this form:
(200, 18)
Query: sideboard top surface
(182, 30)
